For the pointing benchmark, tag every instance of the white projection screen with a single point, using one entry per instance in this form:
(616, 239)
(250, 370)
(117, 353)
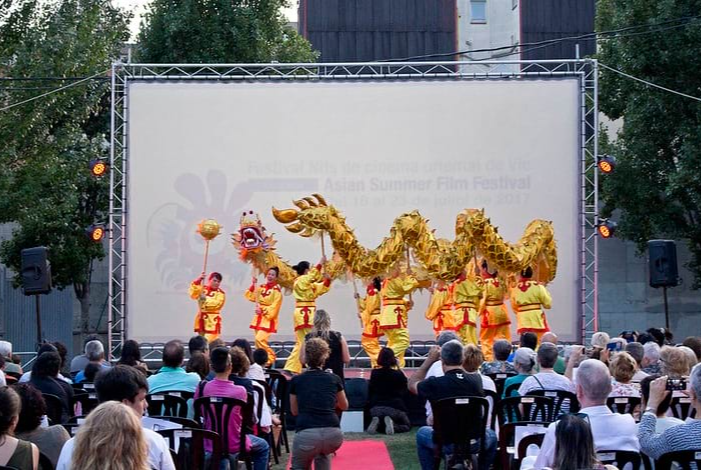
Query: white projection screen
(374, 149)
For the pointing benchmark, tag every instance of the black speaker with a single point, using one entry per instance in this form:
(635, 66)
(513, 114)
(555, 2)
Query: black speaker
(663, 263)
(36, 271)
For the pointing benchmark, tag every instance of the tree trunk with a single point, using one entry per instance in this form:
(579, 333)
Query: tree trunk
(82, 292)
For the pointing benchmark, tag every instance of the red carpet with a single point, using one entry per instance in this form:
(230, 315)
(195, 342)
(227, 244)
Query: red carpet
(365, 455)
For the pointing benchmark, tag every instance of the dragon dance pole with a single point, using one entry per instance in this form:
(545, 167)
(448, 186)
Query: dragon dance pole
(209, 229)
(349, 274)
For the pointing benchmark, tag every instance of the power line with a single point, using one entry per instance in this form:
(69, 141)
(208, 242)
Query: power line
(650, 84)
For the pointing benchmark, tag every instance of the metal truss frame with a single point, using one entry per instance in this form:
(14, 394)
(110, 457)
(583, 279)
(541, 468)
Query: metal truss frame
(123, 74)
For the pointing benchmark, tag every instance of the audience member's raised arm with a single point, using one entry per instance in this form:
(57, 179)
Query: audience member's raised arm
(434, 354)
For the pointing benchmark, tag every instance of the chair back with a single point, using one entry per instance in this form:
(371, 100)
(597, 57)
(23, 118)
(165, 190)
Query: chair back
(499, 378)
(493, 399)
(72, 428)
(623, 405)
(507, 439)
(452, 415)
(45, 462)
(216, 414)
(87, 401)
(681, 408)
(167, 404)
(54, 408)
(619, 458)
(524, 443)
(528, 408)
(259, 400)
(187, 447)
(565, 402)
(684, 459)
(184, 422)
(512, 390)
(268, 391)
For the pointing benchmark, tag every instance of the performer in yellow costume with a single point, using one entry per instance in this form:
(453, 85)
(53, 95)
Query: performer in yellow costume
(268, 299)
(369, 312)
(440, 308)
(529, 299)
(495, 317)
(210, 299)
(467, 292)
(309, 285)
(395, 310)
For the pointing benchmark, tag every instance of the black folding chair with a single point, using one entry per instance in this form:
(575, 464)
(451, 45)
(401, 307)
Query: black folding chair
(184, 422)
(619, 458)
(499, 378)
(528, 408)
(450, 427)
(523, 444)
(280, 386)
(507, 438)
(684, 459)
(167, 404)
(509, 391)
(493, 398)
(54, 408)
(261, 399)
(215, 414)
(565, 402)
(88, 402)
(681, 408)
(624, 405)
(188, 449)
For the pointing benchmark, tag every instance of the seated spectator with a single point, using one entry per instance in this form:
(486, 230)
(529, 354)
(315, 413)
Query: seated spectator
(623, 367)
(90, 371)
(239, 369)
(44, 378)
(79, 362)
(63, 353)
(6, 353)
(14, 453)
(658, 335)
(455, 383)
(637, 352)
(131, 356)
(682, 437)
(95, 353)
(340, 356)
(221, 386)
(524, 363)
(674, 362)
(315, 398)
(245, 347)
(690, 356)
(260, 359)
(110, 439)
(527, 339)
(629, 335)
(611, 431)
(199, 364)
(436, 369)
(502, 349)
(217, 343)
(172, 376)
(198, 344)
(45, 347)
(546, 379)
(387, 387)
(49, 440)
(472, 359)
(694, 343)
(651, 358)
(645, 338)
(128, 386)
(664, 422)
(599, 340)
(559, 366)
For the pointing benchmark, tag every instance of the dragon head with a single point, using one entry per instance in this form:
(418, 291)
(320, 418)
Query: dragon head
(251, 237)
(302, 221)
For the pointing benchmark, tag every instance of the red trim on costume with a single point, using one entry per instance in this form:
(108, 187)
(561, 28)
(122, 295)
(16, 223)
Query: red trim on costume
(271, 329)
(252, 288)
(197, 282)
(533, 330)
(371, 290)
(318, 267)
(327, 282)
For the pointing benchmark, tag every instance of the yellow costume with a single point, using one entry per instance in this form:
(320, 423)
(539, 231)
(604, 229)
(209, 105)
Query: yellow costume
(495, 317)
(440, 310)
(268, 299)
(305, 290)
(529, 299)
(394, 315)
(370, 316)
(467, 292)
(208, 319)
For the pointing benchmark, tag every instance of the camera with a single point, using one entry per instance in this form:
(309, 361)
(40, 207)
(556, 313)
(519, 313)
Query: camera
(614, 346)
(676, 384)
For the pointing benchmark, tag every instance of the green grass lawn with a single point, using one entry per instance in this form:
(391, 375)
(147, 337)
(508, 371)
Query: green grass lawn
(401, 447)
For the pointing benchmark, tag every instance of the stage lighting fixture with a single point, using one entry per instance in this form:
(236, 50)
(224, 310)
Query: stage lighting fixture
(96, 232)
(607, 164)
(606, 228)
(98, 167)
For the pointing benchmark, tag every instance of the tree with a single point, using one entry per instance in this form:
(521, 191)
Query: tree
(46, 190)
(219, 31)
(657, 183)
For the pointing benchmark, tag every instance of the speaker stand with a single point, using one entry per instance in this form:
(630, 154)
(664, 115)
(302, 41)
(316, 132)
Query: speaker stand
(666, 307)
(38, 310)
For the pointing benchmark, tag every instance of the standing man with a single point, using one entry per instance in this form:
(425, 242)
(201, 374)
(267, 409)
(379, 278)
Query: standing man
(210, 299)
(268, 299)
(369, 313)
(395, 310)
(530, 299)
(495, 317)
(468, 294)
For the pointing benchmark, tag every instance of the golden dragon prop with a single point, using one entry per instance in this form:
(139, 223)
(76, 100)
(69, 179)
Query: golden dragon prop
(439, 258)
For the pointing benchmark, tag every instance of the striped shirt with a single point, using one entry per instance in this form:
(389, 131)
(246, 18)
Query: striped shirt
(682, 437)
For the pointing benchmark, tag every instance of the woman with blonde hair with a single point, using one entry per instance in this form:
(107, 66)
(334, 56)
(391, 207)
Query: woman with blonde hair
(623, 367)
(110, 439)
(339, 355)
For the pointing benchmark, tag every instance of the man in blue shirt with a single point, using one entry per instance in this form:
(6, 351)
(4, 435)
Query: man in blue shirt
(172, 376)
(95, 353)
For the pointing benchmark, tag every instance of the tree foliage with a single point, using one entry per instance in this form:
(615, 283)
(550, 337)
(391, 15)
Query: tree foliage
(657, 183)
(46, 190)
(219, 31)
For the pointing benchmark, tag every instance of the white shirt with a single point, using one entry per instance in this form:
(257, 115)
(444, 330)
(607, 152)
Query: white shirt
(611, 431)
(27, 376)
(3, 382)
(256, 372)
(546, 381)
(158, 453)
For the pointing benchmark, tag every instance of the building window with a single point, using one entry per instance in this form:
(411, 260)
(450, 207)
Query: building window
(478, 11)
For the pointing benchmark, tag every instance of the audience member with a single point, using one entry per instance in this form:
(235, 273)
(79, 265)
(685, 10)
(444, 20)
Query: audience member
(339, 355)
(90, 371)
(260, 359)
(629, 335)
(454, 383)
(95, 353)
(610, 430)
(560, 365)
(651, 358)
(63, 353)
(674, 362)
(245, 346)
(690, 356)
(45, 379)
(546, 379)
(198, 344)
(15, 453)
(663, 422)
(472, 359)
(315, 396)
(221, 386)
(199, 364)
(694, 343)
(387, 386)
(574, 445)
(49, 440)
(599, 340)
(682, 437)
(172, 376)
(6, 353)
(436, 369)
(502, 349)
(239, 370)
(658, 335)
(217, 343)
(131, 356)
(645, 338)
(524, 363)
(45, 347)
(623, 367)
(637, 352)
(110, 439)
(528, 340)
(79, 362)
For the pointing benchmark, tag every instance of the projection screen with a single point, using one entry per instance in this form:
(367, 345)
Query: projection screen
(374, 149)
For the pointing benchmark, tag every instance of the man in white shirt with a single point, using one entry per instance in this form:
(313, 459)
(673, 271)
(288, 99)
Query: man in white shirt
(127, 385)
(611, 431)
(546, 379)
